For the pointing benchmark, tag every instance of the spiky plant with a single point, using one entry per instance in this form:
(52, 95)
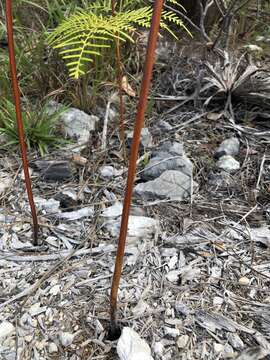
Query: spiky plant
(85, 34)
(39, 127)
(235, 78)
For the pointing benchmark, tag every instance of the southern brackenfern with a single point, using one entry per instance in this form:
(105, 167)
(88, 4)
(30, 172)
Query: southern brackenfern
(86, 33)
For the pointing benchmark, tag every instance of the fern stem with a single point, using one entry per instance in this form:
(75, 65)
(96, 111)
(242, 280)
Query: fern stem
(139, 121)
(16, 95)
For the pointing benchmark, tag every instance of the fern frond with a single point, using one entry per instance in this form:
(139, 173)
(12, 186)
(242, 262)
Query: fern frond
(175, 2)
(86, 33)
(171, 17)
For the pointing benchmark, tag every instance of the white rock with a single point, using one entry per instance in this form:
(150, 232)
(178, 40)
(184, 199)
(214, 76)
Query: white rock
(171, 184)
(261, 234)
(146, 138)
(36, 309)
(218, 301)
(78, 125)
(113, 211)
(55, 289)
(140, 308)
(66, 338)
(131, 347)
(182, 341)
(108, 172)
(229, 146)
(172, 262)
(52, 348)
(173, 332)
(140, 228)
(159, 348)
(173, 275)
(77, 214)
(228, 163)
(244, 281)
(6, 329)
(218, 348)
(5, 182)
(48, 206)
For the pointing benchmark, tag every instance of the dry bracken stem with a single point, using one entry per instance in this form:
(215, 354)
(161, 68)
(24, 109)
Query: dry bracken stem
(148, 67)
(120, 91)
(16, 95)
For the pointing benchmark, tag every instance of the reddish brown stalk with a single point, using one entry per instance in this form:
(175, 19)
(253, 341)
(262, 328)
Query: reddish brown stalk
(16, 95)
(120, 91)
(148, 68)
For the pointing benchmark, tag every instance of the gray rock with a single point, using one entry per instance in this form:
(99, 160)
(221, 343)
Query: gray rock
(140, 228)
(165, 161)
(229, 146)
(182, 341)
(164, 126)
(47, 206)
(108, 172)
(220, 180)
(181, 308)
(6, 329)
(113, 211)
(131, 347)
(171, 147)
(228, 163)
(146, 138)
(52, 348)
(169, 156)
(66, 338)
(171, 184)
(78, 125)
(52, 170)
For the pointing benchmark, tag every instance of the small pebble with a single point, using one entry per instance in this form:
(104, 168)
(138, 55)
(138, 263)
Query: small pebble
(229, 146)
(159, 348)
(6, 329)
(244, 281)
(182, 341)
(218, 348)
(66, 338)
(171, 331)
(228, 163)
(52, 348)
(173, 276)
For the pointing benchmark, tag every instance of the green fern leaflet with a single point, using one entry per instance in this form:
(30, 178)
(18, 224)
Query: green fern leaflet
(85, 34)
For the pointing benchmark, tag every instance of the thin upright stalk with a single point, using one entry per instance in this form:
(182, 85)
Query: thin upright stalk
(120, 91)
(16, 95)
(145, 86)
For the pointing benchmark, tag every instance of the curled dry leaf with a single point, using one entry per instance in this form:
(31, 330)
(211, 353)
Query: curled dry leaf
(127, 88)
